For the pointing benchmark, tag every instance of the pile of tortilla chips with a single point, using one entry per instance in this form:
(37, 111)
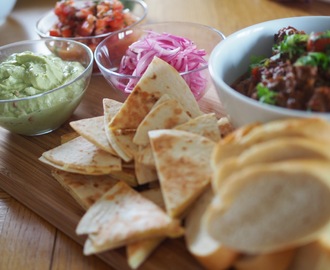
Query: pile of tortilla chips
(139, 167)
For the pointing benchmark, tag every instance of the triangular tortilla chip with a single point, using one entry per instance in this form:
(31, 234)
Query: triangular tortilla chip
(183, 166)
(85, 189)
(145, 174)
(160, 78)
(93, 130)
(166, 115)
(139, 251)
(81, 156)
(205, 125)
(124, 216)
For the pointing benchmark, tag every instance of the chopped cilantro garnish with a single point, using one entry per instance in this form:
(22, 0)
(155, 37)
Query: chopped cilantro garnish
(314, 59)
(265, 95)
(292, 44)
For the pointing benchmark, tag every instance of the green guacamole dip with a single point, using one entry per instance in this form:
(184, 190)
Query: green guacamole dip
(28, 74)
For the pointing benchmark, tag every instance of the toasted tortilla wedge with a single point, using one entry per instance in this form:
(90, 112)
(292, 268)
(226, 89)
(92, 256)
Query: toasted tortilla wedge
(275, 150)
(165, 115)
(145, 174)
(160, 78)
(81, 156)
(139, 251)
(124, 216)
(205, 125)
(93, 130)
(85, 189)
(271, 207)
(183, 166)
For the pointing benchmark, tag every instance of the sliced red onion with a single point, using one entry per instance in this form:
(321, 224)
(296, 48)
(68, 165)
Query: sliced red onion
(179, 52)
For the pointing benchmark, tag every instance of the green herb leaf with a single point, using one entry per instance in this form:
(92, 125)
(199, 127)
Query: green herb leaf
(265, 95)
(292, 44)
(318, 59)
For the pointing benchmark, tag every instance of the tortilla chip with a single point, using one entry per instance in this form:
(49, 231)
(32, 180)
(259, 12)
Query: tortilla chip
(145, 156)
(127, 175)
(69, 136)
(139, 251)
(160, 78)
(183, 166)
(81, 156)
(124, 216)
(85, 189)
(205, 125)
(93, 130)
(145, 174)
(166, 115)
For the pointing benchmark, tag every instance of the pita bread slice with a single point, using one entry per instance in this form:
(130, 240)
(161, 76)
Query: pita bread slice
(81, 156)
(85, 189)
(271, 261)
(93, 130)
(251, 134)
(122, 216)
(210, 253)
(205, 125)
(271, 207)
(275, 150)
(165, 115)
(183, 167)
(160, 78)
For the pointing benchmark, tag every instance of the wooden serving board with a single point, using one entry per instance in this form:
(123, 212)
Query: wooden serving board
(29, 181)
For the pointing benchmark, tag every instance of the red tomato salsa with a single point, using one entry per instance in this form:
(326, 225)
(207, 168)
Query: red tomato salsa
(89, 18)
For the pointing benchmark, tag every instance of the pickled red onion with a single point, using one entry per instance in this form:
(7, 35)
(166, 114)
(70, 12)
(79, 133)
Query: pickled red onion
(179, 52)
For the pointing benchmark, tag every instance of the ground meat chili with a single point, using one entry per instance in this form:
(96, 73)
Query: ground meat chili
(296, 76)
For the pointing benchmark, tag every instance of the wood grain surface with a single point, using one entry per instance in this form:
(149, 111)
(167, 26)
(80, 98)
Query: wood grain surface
(37, 217)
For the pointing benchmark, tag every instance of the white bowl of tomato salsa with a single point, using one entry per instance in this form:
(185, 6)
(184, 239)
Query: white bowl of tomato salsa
(90, 22)
(231, 59)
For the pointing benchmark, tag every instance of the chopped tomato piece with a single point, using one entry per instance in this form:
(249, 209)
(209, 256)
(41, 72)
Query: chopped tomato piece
(317, 42)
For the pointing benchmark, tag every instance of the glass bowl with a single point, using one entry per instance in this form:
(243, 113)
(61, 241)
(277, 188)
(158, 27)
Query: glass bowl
(137, 8)
(109, 52)
(36, 112)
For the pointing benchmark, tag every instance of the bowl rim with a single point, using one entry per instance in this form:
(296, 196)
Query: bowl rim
(144, 28)
(51, 12)
(242, 98)
(86, 69)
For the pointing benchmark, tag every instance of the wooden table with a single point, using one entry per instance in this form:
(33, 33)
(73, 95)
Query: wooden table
(31, 239)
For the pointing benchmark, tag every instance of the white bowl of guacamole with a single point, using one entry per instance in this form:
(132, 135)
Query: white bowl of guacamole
(41, 83)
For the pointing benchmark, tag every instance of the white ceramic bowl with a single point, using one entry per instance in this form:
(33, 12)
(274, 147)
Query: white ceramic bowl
(6, 8)
(230, 59)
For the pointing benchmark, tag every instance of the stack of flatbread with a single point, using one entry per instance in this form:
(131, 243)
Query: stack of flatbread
(270, 207)
(138, 168)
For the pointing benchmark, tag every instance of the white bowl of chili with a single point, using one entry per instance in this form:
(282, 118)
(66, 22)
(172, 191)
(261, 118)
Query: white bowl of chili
(231, 59)
(124, 55)
(90, 22)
